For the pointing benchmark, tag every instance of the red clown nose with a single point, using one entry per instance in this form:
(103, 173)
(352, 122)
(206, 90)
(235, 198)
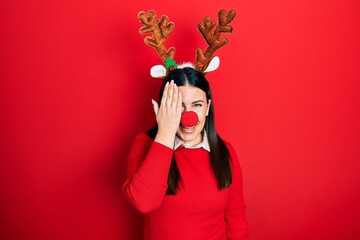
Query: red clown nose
(189, 119)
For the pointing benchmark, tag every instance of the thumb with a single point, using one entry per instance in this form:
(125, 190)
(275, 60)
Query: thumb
(156, 106)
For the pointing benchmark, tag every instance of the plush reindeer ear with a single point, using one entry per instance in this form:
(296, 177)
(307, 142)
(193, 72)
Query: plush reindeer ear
(213, 65)
(158, 71)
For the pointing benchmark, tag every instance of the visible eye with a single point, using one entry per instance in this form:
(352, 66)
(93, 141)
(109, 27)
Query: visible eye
(197, 105)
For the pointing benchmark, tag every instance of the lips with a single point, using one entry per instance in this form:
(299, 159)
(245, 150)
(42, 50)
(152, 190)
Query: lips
(188, 130)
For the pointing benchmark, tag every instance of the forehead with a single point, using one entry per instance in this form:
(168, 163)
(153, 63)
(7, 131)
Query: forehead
(191, 94)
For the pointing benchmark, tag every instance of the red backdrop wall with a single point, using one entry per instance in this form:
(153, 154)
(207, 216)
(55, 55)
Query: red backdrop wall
(75, 90)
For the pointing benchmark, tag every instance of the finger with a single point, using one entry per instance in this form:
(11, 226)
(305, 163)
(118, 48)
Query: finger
(179, 103)
(164, 96)
(175, 97)
(170, 94)
(155, 106)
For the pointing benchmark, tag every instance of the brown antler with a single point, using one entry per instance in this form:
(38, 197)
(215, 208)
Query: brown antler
(160, 30)
(212, 39)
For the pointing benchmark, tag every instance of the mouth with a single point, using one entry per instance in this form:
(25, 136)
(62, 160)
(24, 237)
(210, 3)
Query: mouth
(188, 130)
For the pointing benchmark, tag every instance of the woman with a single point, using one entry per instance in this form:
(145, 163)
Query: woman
(186, 179)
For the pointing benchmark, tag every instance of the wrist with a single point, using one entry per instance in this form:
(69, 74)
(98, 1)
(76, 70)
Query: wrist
(165, 139)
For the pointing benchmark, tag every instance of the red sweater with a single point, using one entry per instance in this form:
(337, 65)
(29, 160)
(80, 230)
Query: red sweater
(198, 210)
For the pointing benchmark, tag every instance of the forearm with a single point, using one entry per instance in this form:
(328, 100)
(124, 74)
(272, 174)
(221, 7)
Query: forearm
(146, 189)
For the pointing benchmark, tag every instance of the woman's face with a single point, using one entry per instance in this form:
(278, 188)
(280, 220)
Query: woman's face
(193, 99)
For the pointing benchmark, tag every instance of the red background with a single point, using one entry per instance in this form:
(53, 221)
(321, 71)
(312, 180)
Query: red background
(75, 89)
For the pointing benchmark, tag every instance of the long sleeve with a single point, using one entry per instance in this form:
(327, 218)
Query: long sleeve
(235, 216)
(148, 169)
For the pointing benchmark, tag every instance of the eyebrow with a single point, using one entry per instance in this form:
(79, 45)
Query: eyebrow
(197, 101)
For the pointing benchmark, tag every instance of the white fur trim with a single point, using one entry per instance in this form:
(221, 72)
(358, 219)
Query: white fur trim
(186, 64)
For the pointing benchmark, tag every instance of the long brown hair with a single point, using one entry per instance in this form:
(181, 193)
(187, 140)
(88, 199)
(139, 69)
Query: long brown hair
(219, 154)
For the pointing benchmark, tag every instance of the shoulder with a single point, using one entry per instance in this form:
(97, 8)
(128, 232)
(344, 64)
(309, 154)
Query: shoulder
(235, 162)
(233, 154)
(144, 137)
(230, 147)
(141, 141)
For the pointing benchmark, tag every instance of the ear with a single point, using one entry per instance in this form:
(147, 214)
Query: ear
(208, 107)
(213, 65)
(158, 71)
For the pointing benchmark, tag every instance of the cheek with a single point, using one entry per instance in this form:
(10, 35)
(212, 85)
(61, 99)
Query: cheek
(201, 115)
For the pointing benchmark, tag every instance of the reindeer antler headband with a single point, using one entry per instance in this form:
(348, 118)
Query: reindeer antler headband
(161, 29)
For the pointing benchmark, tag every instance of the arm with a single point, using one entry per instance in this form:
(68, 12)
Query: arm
(235, 216)
(149, 161)
(148, 169)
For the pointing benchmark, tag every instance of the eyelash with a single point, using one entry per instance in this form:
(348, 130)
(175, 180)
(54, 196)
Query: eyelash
(196, 105)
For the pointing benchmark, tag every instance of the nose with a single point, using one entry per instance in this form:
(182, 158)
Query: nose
(189, 119)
